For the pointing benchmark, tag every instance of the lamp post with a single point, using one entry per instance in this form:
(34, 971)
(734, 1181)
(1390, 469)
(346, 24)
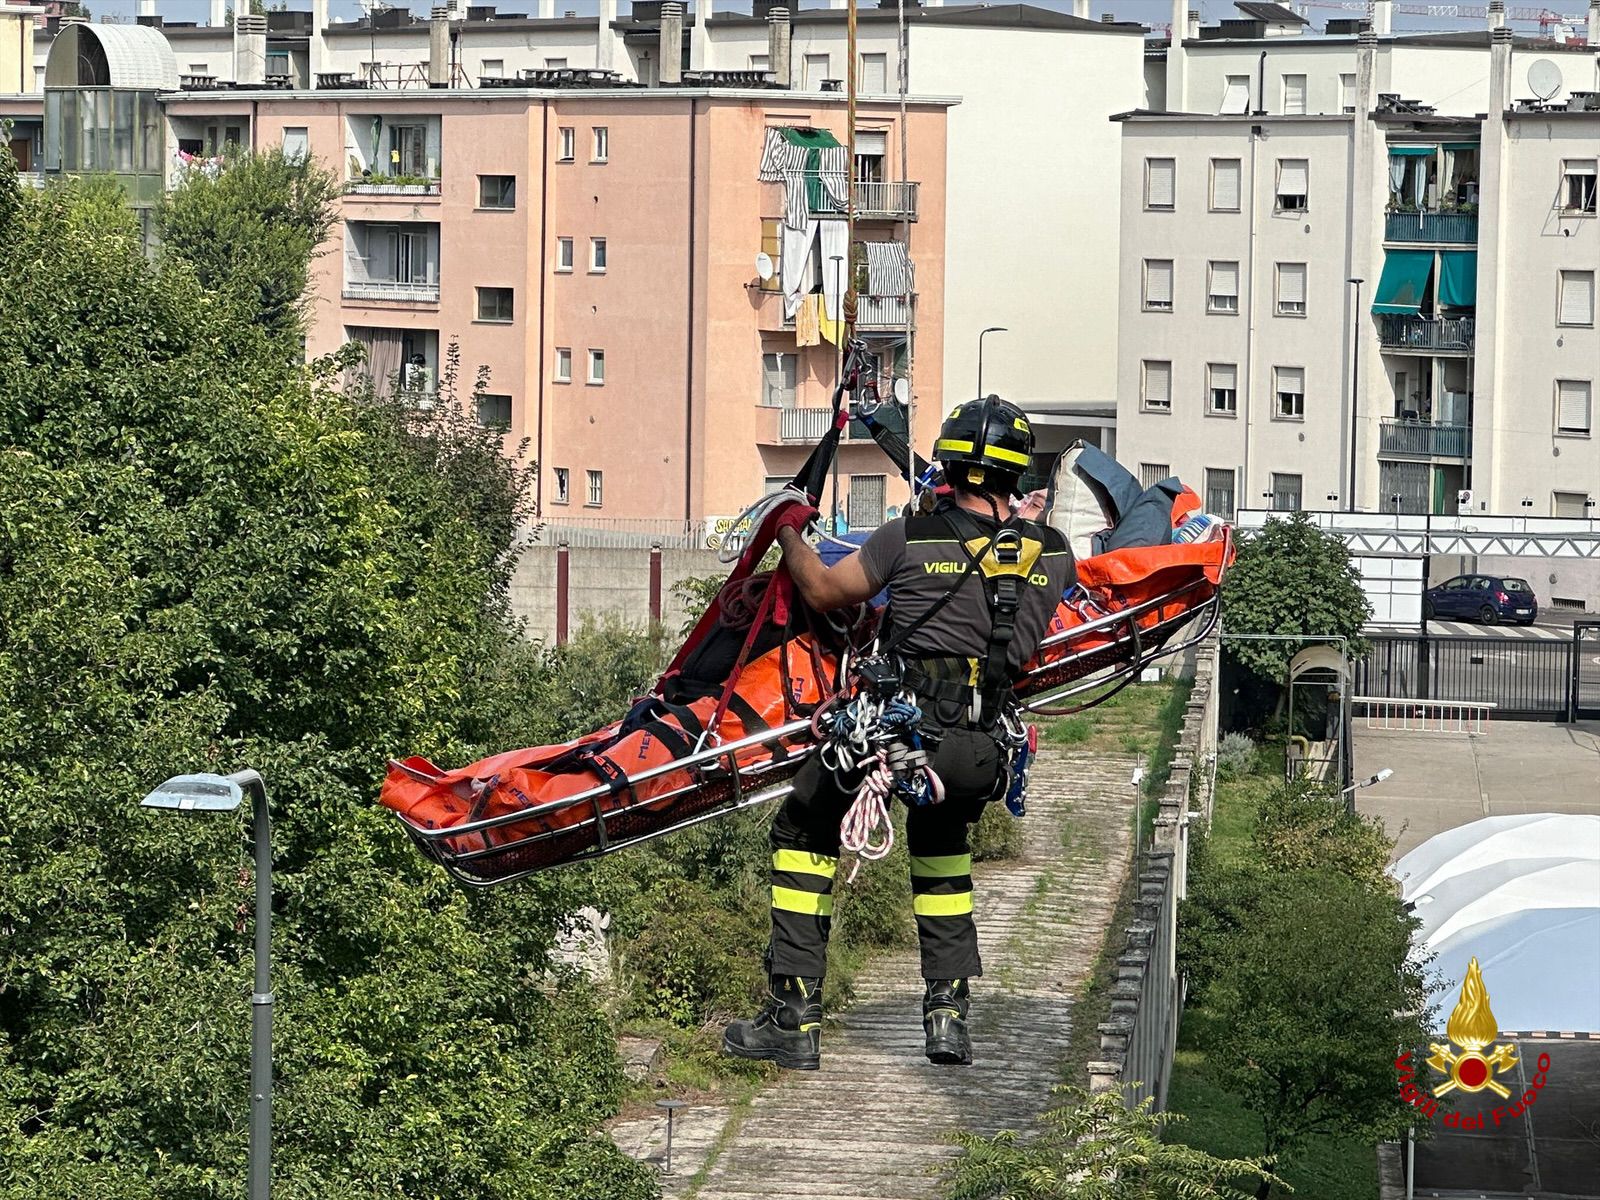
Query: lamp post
(1355, 377)
(224, 793)
(981, 335)
(1349, 793)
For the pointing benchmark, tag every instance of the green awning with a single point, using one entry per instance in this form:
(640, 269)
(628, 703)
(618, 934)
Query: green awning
(1412, 151)
(1461, 145)
(1404, 284)
(814, 139)
(1458, 278)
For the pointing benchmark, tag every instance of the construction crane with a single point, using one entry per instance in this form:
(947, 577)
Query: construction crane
(1544, 17)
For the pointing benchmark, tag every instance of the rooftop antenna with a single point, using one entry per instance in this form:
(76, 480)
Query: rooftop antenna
(1544, 78)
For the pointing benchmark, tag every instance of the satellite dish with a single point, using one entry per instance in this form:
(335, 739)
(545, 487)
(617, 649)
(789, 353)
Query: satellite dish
(902, 391)
(1544, 78)
(764, 266)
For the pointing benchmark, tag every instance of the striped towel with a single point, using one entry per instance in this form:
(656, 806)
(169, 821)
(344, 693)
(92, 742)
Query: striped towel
(889, 270)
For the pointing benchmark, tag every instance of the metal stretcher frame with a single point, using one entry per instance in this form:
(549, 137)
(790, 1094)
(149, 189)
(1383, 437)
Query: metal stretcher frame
(724, 759)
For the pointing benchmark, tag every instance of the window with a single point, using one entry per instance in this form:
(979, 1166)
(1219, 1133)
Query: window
(1569, 504)
(494, 304)
(1291, 289)
(772, 247)
(494, 412)
(492, 68)
(1347, 93)
(1577, 298)
(408, 151)
(1151, 474)
(199, 69)
(600, 144)
(1219, 492)
(1577, 185)
(760, 62)
(1222, 287)
(1222, 389)
(778, 379)
(873, 81)
(597, 367)
(497, 191)
(1158, 285)
(597, 489)
(816, 70)
(296, 143)
(1159, 183)
(773, 484)
(1224, 185)
(566, 144)
(597, 256)
(1294, 95)
(555, 64)
(1285, 493)
(1293, 185)
(864, 508)
(1157, 389)
(1235, 95)
(563, 254)
(563, 369)
(563, 486)
(1290, 385)
(277, 64)
(872, 149)
(1572, 407)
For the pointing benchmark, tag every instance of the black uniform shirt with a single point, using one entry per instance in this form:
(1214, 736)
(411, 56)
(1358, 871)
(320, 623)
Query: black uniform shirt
(920, 557)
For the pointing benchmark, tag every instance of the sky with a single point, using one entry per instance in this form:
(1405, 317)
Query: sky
(1147, 11)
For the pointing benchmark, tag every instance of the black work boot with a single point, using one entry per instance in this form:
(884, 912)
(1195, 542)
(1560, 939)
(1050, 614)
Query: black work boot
(944, 1017)
(787, 1030)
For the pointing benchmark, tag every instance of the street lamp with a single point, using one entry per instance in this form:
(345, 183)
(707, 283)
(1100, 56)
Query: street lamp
(1355, 376)
(224, 793)
(991, 329)
(1349, 792)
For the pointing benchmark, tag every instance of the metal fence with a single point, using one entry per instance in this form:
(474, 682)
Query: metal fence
(1460, 229)
(623, 533)
(1424, 438)
(1398, 331)
(1522, 678)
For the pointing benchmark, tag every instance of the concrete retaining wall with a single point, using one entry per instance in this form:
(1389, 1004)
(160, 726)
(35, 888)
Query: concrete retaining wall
(603, 582)
(1139, 1037)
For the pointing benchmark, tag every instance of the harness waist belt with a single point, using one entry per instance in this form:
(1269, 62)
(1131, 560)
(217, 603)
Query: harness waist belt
(946, 694)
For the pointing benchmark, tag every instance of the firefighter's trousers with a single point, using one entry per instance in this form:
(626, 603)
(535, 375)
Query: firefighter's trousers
(805, 857)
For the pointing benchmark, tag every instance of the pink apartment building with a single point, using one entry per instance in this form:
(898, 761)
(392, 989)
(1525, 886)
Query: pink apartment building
(597, 250)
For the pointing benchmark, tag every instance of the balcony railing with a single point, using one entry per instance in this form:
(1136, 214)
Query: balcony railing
(888, 200)
(1449, 228)
(391, 289)
(810, 424)
(1400, 331)
(883, 312)
(1423, 439)
(387, 185)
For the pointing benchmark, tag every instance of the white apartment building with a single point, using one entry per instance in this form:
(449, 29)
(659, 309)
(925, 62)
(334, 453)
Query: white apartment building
(1394, 293)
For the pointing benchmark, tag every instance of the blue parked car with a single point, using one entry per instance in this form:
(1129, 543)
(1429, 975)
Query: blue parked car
(1486, 598)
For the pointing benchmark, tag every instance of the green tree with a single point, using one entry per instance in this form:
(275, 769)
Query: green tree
(1096, 1148)
(251, 231)
(1291, 578)
(209, 556)
(1317, 991)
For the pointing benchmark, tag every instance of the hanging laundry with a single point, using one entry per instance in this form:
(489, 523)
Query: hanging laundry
(796, 269)
(833, 172)
(808, 322)
(835, 237)
(811, 165)
(832, 328)
(889, 270)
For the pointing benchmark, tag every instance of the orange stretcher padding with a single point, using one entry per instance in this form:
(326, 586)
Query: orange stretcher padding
(1173, 580)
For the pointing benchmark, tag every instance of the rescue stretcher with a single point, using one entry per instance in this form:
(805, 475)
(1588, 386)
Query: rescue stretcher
(729, 722)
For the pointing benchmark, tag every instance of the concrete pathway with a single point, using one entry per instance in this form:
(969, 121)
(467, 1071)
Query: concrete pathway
(874, 1121)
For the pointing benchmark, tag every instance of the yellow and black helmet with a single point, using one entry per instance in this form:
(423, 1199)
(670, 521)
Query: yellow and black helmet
(982, 439)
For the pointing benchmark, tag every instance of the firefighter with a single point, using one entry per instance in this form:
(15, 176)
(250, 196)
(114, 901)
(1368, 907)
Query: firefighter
(972, 588)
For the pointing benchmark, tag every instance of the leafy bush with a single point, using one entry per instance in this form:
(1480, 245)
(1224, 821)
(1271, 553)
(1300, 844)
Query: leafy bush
(1094, 1147)
(997, 835)
(1302, 826)
(694, 960)
(1236, 756)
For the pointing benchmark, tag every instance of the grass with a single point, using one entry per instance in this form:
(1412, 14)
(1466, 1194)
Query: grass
(1129, 722)
(1325, 1168)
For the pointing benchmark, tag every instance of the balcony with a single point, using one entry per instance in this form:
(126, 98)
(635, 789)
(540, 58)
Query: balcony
(1401, 438)
(876, 200)
(1438, 228)
(1426, 335)
(885, 312)
(404, 291)
(808, 425)
(392, 185)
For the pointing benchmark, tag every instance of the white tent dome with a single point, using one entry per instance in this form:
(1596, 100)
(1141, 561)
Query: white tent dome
(1521, 894)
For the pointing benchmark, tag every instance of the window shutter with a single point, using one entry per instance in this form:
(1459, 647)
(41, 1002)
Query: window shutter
(1577, 297)
(1570, 504)
(1158, 383)
(1572, 406)
(1225, 279)
(1151, 474)
(1291, 379)
(1224, 375)
(1292, 175)
(1578, 166)
(1294, 95)
(1292, 284)
(1161, 185)
(1236, 95)
(1225, 184)
(1158, 281)
(872, 141)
